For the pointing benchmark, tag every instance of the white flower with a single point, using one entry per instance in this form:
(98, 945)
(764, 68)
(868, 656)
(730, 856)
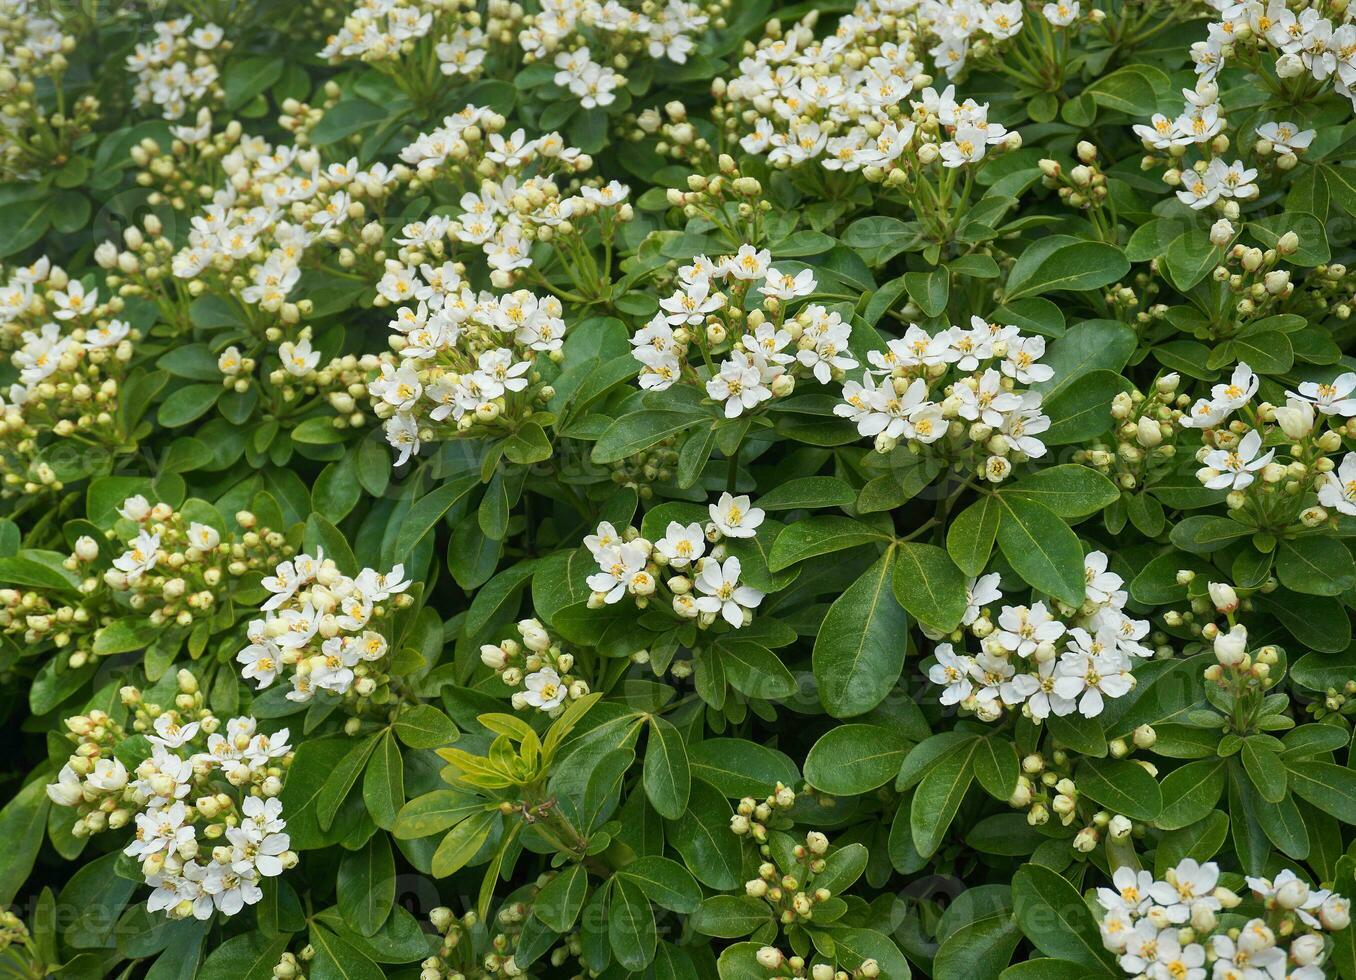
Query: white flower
(748, 263)
(1286, 135)
(1254, 956)
(141, 556)
(204, 537)
(1199, 190)
(107, 776)
(172, 735)
(739, 384)
(1020, 362)
(953, 673)
(1022, 629)
(723, 593)
(1330, 397)
(1187, 886)
(966, 146)
(135, 508)
(159, 830)
(617, 566)
(605, 536)
(1038, 691)
(735, 517)
(67, 790)
(544, 690)
(1101, 585)
(979, 592)
(1242, 385)
(1130, 891)
(298, 359)
(785, 286)
(1091, 679)
(682, 545)
(1061, 13)
(1234, 469)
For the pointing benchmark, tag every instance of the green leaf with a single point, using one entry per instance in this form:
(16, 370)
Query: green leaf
(528, 445)
(980, 948)
(754, 670)
(429, 509)
(384, 782)
(1042, 549)
(730, 916)
(859, 649)
(340, 779)
(559, 902)
(188, 403)
(938, 798)
(930, 290)
(1055, 918)
(366, 885)
(667, 776)
(249, 957)
(808, 492)
(434, 812)
(1082, 411)
(1129, 90)
(630, 925)
(852, 759)
(996, 766)
(338, 959)
(819, 536)
(1071, 265)
(970, 538)
(422, 726)
(1264, 768)
(1190, 792)
(1330, 787)
(738, 767)
(1315, 565)
(666, 883)
(1203, 534)
(462, 843)
(1122, 786)
(23, 823)
(702, 837)
(928, 585)
(1069, 490)
(634, 433)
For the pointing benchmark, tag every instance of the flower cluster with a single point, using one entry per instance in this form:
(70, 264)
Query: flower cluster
(179, 69)
(1145, 426)
(174, 569)
(325, 627)
(426, 48)
(1171, 927)
(767, 350)
(984, 419)
(1039, 663)
(1313, 422)
(34, 52)
(705, 584)
(196, 785)
(466, 359)
(587, 37)
(1303, 47)
(537, 669)
(520, 199)
(279, 201)
(860, 118)
(71, 355)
